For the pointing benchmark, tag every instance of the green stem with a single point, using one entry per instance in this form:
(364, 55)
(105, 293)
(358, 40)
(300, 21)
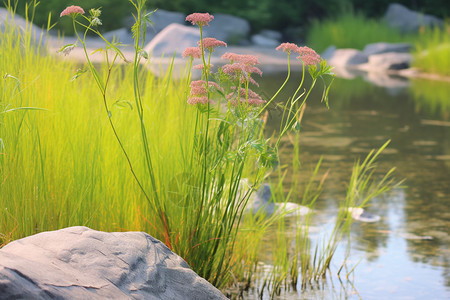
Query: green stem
(279, 90)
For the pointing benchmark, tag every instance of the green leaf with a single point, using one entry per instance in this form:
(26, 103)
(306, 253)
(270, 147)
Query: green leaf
(22, 108)
(67, 48)
(78, 74)
(123, 104)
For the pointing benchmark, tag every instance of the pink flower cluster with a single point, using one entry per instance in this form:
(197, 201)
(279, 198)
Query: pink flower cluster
(252, 97)
(241, 65)
(288, 48)
(199, 93)
(200, 19)
(307, 55)
(73, 9)
(208, 43)
(202, 66)
(211, 43)
(193, 52)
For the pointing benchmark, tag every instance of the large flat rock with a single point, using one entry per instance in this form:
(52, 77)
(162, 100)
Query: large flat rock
(81, 263)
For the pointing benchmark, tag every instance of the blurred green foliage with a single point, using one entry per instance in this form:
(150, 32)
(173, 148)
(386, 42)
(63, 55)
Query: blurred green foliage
(113, 12)
(274, 14)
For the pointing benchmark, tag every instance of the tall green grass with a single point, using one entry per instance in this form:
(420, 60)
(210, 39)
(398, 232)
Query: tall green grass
(432, 50)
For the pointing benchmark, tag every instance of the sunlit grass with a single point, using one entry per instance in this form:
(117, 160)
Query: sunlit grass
(432, 50)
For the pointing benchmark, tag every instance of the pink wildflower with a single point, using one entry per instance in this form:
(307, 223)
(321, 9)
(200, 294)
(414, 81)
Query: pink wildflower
(252, 97)
(73, 9)
(199, 67)
(214, 84)
(231, 69)
(241, 58)
(308, 56)
(198, 100)
(251, 101)
(250, 79)
(211, 43)
(200, 19)
(193, 52)
(251, 69)
(198, 87)
(288, 47)
(243, 92)
(255, 101)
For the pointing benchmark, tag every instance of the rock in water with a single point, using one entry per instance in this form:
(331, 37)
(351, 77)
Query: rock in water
(359, 214)
(81, 263)
(262, 202)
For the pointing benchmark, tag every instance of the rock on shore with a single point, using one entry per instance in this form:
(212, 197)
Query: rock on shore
(81, 263)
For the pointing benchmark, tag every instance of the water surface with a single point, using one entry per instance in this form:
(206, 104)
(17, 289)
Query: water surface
(406, 255)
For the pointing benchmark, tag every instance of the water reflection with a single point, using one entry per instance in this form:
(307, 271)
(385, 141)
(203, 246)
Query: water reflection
(405, 255)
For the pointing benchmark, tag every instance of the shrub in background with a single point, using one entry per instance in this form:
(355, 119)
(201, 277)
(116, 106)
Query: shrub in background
(274, 14)
(118, 10)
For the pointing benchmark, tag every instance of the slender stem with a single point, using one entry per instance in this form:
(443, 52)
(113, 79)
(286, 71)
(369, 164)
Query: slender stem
(279, 90)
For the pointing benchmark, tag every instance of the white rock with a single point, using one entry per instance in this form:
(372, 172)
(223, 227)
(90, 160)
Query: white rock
(173, 39)
(347, 57)
(359, 214)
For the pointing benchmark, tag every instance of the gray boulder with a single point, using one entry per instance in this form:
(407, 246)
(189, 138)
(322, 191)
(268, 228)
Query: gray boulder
(38, 36)
(406, 20)
(80, 263)
(389, 61)
(378, 48)
(160, 20)
(271, 34)
(227, 28)
(263, 41)
(346, 57)
(173, 39)
(121, 35)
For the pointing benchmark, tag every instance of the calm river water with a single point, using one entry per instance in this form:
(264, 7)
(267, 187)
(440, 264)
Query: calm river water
(406, 255)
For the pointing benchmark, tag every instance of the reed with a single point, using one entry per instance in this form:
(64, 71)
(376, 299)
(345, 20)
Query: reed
(298, 260)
